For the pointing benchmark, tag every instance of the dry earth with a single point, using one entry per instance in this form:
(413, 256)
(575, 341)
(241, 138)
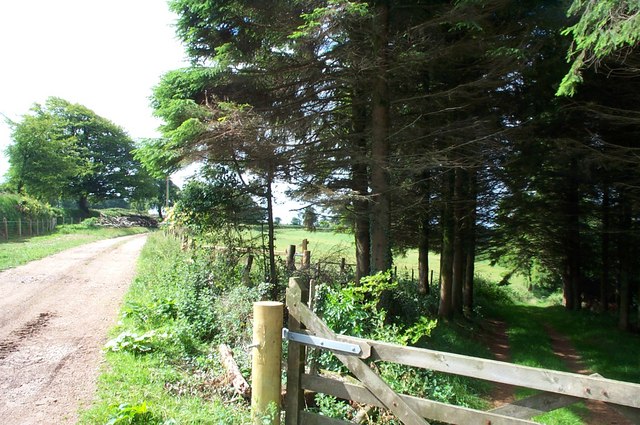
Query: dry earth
(54, 317)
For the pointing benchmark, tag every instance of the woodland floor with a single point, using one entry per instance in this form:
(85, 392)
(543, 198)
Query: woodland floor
(598, 413)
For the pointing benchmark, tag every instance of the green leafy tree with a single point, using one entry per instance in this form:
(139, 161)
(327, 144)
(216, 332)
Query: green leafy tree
(310, 219)
(65, 150)
(42, 157)
(217, 200)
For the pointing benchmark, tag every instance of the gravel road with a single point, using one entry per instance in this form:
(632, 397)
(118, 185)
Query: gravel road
(54, 317)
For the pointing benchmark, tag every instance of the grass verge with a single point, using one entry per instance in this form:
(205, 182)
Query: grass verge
(17, 252)
(162, 367)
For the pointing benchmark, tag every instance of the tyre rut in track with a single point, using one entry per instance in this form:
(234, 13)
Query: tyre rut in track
(30, 329)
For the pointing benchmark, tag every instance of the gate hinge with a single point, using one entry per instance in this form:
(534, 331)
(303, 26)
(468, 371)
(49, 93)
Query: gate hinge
(317, 342)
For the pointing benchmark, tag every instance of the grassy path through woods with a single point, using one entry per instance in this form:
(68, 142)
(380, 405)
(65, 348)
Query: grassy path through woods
(551, 338)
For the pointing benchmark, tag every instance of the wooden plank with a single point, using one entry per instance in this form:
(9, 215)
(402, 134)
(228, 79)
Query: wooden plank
(572, 384)
(535, 405)
(430, 409)
(628, 412)
(294, 402)
(376, 385)
(546, 402)
(308, 418)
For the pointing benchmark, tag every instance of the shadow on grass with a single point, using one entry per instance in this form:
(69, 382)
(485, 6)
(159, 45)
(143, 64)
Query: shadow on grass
(605, 349)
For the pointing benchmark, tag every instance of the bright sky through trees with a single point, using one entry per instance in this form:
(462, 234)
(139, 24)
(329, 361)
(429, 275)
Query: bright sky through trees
(104, 55)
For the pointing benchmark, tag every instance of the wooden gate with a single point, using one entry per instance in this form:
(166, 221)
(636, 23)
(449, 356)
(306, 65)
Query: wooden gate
(306, 329)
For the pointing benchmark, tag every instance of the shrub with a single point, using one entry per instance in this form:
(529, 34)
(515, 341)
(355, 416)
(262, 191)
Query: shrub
(14, 206)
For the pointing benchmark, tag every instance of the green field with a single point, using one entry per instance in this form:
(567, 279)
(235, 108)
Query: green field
(330, 246)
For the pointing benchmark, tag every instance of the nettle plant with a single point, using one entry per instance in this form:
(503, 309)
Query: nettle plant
(356, 310)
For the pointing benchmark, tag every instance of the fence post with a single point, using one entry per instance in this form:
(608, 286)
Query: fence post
(295, 361)
(246, 273)
(6, 228)
(306, 259)
(291, 258)
(265, 366)
(19, 227)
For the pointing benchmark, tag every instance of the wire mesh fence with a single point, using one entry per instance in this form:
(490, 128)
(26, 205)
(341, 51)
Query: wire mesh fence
(28, 227)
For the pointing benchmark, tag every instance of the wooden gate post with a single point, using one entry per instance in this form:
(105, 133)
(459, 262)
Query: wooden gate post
(266, 370)
(291, 258)
(295, 360)
(246, 273)
(306, 259)
(6, 227)
(19, 227)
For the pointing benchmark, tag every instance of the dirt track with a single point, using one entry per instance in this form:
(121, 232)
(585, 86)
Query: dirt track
(54, 316)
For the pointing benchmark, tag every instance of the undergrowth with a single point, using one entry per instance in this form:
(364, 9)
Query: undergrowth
(163, 353)
(356, 311)
(164, 367)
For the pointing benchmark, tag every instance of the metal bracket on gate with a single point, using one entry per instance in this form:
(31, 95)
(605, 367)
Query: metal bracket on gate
(317, 342)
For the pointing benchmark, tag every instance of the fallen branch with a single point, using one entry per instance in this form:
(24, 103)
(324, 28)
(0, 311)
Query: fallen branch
(238, 382)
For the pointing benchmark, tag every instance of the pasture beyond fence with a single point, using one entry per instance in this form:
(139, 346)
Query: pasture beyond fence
(305, 329)
(300, 260)
(27, 227)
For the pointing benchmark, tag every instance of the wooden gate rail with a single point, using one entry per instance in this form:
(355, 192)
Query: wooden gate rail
(592, 387)
(426, 408)
(567, 388)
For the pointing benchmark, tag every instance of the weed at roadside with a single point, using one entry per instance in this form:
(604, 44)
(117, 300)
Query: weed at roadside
(165, 351)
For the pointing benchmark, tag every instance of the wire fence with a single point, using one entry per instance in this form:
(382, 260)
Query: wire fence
(27, 227)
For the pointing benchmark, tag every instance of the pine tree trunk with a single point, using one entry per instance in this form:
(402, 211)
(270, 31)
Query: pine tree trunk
(605, 242)
(423, 257)
(459, 255)
(470, 242)
(573, 275)
(423, 241)
(273, 274)
(380, 180)
(360, 185)
(624, 263)
(445, 308)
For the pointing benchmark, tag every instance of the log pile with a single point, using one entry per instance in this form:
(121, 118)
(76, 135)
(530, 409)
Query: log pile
(131, 220)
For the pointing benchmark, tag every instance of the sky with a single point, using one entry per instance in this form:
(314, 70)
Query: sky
(105, 55)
